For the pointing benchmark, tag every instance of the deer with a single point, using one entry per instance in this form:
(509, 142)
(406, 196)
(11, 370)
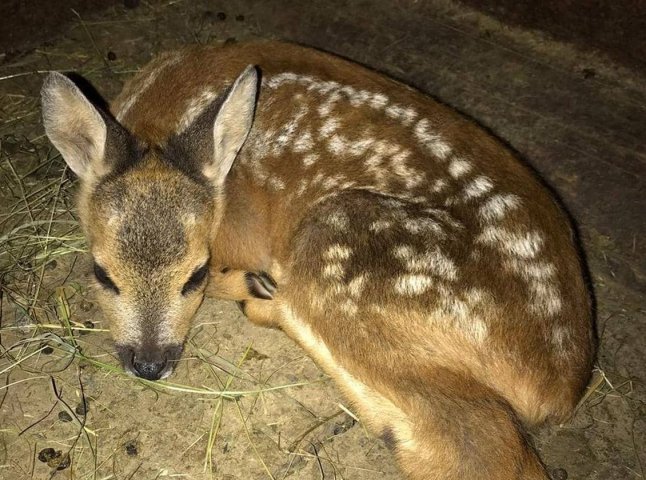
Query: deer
(422, 265)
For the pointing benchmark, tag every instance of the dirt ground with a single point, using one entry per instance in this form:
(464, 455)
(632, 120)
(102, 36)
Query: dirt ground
(576, 117)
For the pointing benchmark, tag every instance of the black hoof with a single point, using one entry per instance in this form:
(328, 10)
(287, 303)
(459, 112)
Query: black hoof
(261, 285)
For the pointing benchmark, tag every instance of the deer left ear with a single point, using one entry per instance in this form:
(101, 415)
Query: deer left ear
(232, 125)
(74, 126)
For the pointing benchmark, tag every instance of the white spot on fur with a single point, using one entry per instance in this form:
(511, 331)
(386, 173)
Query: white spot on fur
(359, 147)
(463, 314)
(478, 187)
(310, 159)
(276, 183)
(356, 285)
(379, 225)
(378, 101)
(337, 145)
(304, 142)
(330, 126)
(339, 220)
(330, 183)
(476, 296)
(194, 108)
(433, 142)
(333, 270)
(413, 284)
(541, 279)
(277, 80)
(337, 252)
(324, 87)
(361, 97)
(302, 186)
(349, 307)
(524, 245)
(356, 97)
(545, 298)
(409, 175)
(496, 207)
(405, 115)
(439, 185)
(326, 107)
(287, 132)
(459, 167)
(477, 329)
(560, 336)
(429, 262)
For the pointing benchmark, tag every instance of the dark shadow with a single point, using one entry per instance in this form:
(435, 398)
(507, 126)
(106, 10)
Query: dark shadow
(91, 93)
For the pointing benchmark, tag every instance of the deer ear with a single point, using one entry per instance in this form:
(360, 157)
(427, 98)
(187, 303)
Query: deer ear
(210, 144)
(74, 126)
(232, 125)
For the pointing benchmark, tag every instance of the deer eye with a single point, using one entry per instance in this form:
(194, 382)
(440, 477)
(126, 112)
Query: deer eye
(104, 279)
(197, 278)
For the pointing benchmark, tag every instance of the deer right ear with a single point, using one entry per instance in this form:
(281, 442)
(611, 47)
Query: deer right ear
(232, 125)
(74, 126)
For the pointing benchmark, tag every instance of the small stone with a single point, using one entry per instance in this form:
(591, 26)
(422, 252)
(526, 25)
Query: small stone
(343, 425)
(47, 350)
(63, 416)
(86, 306)
(86, 325)
(60, 463)
(82, 408)
(112, 56)
(254, 354)
(46, 454)
(131, 448)
(221, 16)
(239, 18)
(559, 474)
(25, 264)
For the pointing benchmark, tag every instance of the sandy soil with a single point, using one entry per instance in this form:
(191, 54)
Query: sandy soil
(578, 119)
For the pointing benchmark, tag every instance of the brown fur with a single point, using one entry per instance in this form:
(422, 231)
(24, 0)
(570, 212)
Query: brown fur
(445, 329)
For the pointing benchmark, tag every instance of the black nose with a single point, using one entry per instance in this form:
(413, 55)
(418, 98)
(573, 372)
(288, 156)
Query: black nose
(149, 370)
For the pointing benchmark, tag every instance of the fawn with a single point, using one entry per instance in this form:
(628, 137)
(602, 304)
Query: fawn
(418, 262)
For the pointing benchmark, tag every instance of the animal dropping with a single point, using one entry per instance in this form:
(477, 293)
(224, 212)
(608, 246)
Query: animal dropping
(407, 251)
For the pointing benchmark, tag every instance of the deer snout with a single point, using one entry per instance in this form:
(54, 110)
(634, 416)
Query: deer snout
(149, 370)
(151, 363)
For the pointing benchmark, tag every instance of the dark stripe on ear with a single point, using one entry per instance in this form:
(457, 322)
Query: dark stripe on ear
(189, 151)
(122, 149)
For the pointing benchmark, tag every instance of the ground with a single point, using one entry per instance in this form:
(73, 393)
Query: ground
(575, 116)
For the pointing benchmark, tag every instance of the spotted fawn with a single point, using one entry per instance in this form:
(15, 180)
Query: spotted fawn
(409, 253)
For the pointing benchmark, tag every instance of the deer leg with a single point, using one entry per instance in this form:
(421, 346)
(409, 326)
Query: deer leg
(254, 292)
(241, 285)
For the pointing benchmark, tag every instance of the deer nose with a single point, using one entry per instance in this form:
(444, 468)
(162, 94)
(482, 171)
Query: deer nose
(149, 370)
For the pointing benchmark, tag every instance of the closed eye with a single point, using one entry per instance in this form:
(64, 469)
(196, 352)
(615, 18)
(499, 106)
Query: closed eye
(104, 279)
(197, 278)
